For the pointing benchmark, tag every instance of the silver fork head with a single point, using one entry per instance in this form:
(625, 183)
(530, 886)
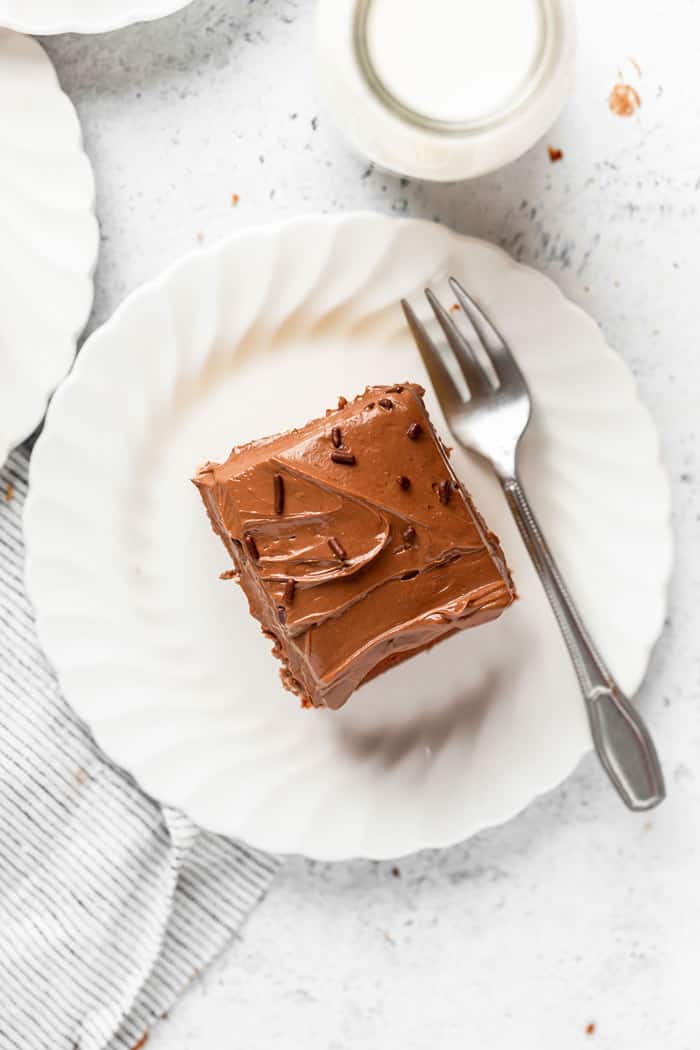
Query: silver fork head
(494, 416)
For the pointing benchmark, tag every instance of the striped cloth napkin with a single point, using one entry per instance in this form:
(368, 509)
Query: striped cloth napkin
(109, 904)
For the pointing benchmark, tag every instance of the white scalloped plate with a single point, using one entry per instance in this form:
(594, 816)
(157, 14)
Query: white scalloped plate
(161, 658)
(48, 236)
(82, 16)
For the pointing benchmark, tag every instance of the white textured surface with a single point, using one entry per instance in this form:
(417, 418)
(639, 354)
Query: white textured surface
(575, 912)
(161, 660)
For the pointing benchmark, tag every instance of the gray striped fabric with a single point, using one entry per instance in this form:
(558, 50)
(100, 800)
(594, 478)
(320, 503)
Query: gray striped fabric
(109, 904)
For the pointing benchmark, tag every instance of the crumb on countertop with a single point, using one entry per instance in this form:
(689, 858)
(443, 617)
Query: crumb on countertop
(79, 775)
(228, 574)
(9, 491)
(235, 199)
(396, 872)
(624, 100)
(590, 1028)
(141, 1042)
(555, 155)
(455, 307)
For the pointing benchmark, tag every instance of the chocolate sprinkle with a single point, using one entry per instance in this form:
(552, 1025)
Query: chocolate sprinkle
(282, 613)
(337, 548)
(409, 534)
(414, 431)
(404, 482)
(278, 484)
(445, 491)
(336, 437)
(348, 458)
(252, 546)
(386, 402)
(289, 589)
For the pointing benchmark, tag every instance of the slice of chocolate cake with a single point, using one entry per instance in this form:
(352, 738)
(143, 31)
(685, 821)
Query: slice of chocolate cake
(356, 545)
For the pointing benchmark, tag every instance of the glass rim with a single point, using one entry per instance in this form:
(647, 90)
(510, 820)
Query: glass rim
(520, 98)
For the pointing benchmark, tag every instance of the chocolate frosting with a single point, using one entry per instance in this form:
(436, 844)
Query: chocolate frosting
(362, 511)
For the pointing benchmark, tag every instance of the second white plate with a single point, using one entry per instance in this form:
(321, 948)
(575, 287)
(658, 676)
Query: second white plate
(162, 659)
(81, 16)
(48, 236)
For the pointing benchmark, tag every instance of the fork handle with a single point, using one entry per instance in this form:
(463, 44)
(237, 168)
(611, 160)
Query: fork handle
(621, 739)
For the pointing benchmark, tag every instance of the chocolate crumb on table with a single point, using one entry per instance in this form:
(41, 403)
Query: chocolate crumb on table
(9, 491)
(624, 100)
(228, 574)
(555, 155)
(349, 560)
(590, 1028)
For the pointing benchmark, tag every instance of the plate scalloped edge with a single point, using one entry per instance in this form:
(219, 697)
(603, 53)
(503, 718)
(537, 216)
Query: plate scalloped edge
(504, 805)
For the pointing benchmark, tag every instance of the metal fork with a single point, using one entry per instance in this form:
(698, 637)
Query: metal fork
(491, 421)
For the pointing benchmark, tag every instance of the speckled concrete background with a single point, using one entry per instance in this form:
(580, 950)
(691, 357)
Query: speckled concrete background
(577, 913)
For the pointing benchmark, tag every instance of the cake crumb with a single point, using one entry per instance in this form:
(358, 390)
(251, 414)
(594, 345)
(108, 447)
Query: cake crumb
(396, 873)
(555, 155)
(79, 775)
(455, 307)
(228, 574)
(9, 491)
(141, 1042)
(590, 1028)
(624, 100)
(235, 199)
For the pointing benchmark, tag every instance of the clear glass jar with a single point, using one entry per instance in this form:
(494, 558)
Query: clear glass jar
(444, 89)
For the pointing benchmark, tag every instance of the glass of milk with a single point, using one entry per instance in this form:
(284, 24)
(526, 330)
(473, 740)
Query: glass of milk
(444, 89)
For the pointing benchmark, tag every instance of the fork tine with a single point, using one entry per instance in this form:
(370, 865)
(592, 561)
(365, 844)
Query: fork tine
(492, 342)
(477, 379)
(447, 393)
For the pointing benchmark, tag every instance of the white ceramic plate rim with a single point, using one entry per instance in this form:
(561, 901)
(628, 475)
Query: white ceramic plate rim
(106, 17)
(59, 366)
(500, 810)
